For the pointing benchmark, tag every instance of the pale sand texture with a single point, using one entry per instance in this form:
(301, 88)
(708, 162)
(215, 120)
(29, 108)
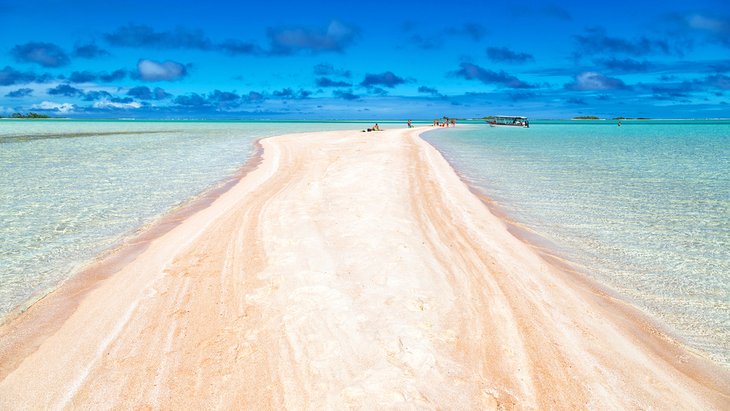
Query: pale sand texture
(348, 270)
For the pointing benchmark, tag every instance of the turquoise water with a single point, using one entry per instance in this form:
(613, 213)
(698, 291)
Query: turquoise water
(71, 189)
(644, 208)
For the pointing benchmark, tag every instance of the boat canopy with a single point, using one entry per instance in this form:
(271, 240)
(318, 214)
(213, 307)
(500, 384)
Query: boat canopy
(518, 121)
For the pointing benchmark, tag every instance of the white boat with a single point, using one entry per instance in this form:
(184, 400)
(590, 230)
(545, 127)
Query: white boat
(508, 121)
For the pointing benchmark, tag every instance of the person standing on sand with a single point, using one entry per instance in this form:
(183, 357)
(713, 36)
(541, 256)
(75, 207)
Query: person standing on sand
(409, 124)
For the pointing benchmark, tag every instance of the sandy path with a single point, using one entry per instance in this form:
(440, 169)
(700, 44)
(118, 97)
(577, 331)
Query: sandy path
(348, 270)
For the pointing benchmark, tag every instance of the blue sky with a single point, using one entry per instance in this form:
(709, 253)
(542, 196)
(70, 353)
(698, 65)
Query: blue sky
(365, 60)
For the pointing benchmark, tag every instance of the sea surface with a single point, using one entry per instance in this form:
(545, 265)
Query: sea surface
(643, 208)
(72, 189)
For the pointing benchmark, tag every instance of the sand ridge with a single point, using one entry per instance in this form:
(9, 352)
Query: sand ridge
(350, 270)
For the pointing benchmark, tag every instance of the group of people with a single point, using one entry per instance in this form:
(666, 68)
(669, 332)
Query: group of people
(447, 121)
(437, 123)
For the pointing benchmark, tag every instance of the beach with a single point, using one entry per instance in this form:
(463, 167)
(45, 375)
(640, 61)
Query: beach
(344, 270)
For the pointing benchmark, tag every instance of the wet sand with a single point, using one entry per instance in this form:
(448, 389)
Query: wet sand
(347, 270)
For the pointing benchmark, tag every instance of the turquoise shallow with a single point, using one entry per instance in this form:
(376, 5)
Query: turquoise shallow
(644, 208)
(71, 189)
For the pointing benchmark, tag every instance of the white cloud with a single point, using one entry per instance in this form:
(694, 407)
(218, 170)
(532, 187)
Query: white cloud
(151, 70)
(50, 105)
(716, 25)
(590, 80)
(106, 103)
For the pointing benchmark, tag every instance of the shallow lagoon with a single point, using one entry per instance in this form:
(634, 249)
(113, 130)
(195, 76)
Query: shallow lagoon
(644, 208)
(72, 189)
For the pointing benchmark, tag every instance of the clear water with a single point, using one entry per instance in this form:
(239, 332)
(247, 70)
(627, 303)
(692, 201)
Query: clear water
(71, 189)
(644, 208)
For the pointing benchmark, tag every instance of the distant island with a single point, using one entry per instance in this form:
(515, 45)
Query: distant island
(29, 115)
(586, 118)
